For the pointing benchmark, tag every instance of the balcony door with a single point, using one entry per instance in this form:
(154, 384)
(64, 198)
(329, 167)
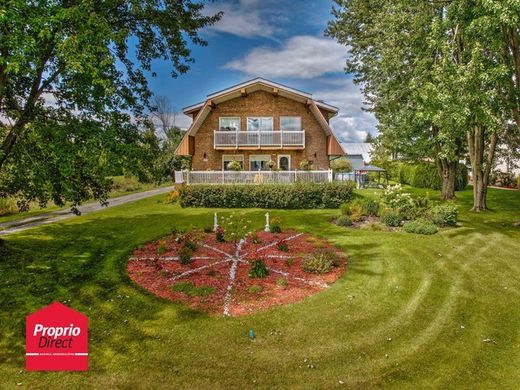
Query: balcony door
(260, 123)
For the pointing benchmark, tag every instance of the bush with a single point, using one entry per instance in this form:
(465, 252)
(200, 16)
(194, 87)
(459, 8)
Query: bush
(268, 196)
(370, 207)
(276, 225)
(161, 249)
(8, 206)
(353, 210)
(319, 262)
(258, 269)
(282, 246)
(236, 227)
(426, 176)
(208, 229)
(281, 282)
(444, 215)
(185, 255)
(219, 234)
(190, 245)
(255, 289)
(344, 221)
(391, 218)
(420, 226)
(341, 164)
(189, 289)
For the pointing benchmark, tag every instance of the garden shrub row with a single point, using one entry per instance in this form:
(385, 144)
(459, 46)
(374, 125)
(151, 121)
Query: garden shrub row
(268, 196)
(422, 175)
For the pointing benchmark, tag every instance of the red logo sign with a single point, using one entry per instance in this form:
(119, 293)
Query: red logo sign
(56, 339)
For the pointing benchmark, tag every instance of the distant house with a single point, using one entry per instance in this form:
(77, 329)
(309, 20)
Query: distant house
(263, 126)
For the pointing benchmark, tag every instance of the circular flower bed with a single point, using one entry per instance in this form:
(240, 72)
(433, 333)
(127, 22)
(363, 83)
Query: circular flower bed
(236, 278)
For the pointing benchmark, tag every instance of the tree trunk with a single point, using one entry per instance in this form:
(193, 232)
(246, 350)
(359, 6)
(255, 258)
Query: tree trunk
(481, 164)
(447, 171)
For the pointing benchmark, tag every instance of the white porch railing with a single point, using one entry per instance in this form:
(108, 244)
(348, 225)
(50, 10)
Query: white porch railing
(254, 177)
(259, 139)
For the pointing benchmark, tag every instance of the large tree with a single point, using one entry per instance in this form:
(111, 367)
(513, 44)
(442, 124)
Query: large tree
(73, 87)
(441, 77)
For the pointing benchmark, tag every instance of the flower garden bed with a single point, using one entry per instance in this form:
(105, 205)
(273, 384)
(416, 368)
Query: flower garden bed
(217, 278)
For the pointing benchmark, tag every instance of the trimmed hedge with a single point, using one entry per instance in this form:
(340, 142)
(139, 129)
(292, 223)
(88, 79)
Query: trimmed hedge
(268, 196)
(422, 175)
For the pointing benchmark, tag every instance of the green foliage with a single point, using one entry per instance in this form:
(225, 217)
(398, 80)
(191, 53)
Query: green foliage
(353, 210)
(91, 59)
(391, 218)
(420, 226)
(161, 249)
(319, 262)
(189, 289)
(8, 206)
(344, 221)
(444, 215)
(236, 227)
(192, 245)
(208, 229)
(185, 255)
(276, 225)
(268, 196)
(305, 165)
(341, 164)
(370, 207)
(255, 289)
(257, 269)
(234, 166)
(283, 246)
(219, 234)
(281, 282)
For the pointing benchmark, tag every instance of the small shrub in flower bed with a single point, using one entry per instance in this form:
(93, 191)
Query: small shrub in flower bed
(236, 227)
(185, 255)
(189, 289)
(161, 249)
(276, 225)
(258, 269)
(344, 221)
(391, 218)
(320, 262)
(190, 245)
(370, 207)
(420, 226)
(255, 289)
(282, 246)
(219, 234)
(268, 196)
(281, 282)
(444, 215)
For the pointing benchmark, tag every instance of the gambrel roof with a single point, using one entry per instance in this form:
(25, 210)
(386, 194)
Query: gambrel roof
(200, 111)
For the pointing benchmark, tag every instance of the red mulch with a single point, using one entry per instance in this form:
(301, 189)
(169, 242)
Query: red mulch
(154, 271)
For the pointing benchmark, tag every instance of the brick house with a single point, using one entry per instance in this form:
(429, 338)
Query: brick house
(262, 125)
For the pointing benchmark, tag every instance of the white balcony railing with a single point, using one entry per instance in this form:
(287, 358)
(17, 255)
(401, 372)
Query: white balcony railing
(258, 139)
(252, 177)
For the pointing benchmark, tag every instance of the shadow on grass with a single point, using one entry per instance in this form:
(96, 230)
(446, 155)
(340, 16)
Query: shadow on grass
(82, 265)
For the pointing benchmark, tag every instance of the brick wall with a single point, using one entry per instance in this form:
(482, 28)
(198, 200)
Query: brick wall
(261, 103)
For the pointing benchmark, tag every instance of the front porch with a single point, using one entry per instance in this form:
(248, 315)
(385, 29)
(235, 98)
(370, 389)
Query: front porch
(252, 177)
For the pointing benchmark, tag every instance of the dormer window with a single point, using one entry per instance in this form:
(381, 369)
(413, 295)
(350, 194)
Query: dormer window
(229, 123)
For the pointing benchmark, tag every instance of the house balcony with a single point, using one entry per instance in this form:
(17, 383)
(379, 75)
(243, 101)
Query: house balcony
(226, 140)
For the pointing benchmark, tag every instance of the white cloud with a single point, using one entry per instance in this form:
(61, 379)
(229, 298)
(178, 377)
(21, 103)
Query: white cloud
(351, 124)
(302, 57)
(183, 121)
(245, 19)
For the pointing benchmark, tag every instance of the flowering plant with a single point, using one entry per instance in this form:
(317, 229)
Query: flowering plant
(236, 227)
(394, 197)
(172, 197)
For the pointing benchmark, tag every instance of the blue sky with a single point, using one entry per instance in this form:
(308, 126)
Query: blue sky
(279, 40)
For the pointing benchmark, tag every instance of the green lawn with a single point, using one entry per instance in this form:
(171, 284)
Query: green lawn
(411, 312)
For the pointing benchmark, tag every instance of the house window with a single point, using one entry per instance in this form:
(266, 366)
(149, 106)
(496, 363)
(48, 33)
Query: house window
(290, 123)
(260, 123)
(284, 162)
(259, 162)
(229, 123)
(227, 158)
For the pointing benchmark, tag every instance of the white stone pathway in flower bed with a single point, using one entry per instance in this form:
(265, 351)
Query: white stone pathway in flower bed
(234, 259)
